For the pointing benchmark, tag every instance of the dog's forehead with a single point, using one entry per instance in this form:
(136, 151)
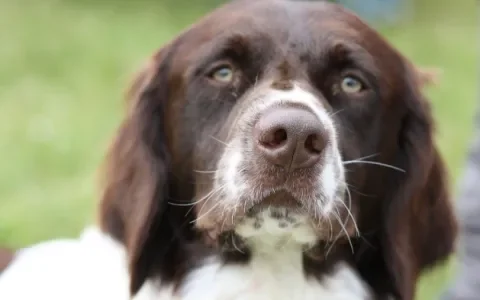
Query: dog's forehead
(278, 22)
(302, 30)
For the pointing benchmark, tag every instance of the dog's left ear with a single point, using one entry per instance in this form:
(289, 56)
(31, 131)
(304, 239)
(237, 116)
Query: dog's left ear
(419, 221)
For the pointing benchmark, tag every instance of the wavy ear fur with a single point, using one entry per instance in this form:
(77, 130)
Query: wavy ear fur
(139, 182)
(419, 222)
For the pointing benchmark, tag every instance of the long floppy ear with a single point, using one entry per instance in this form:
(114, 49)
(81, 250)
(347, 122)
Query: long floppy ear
(138, 181)
(419, 222)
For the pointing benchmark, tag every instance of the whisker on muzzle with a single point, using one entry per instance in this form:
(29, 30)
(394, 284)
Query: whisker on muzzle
(235, 245)
(336, 113)
(337, 216)
(206, 213)
(211, 193)
(205, 171)
(206, 199)
(218, 140)
(332, 243)
(367, 162)
(365, 157)
(354, 189)
(348, 208)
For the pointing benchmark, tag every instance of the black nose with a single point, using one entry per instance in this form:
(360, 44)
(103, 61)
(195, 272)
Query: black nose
(290, 137)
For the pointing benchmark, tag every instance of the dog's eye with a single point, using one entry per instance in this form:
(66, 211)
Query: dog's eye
(223, 74)
(351, 85)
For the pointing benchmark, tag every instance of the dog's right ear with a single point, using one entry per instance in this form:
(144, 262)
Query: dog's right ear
(137, 175)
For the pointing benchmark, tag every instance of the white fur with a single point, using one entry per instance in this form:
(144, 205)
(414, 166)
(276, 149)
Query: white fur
(93, 267)
(271, 276)
(276, 270)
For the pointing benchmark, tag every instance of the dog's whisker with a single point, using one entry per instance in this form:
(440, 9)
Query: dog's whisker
(367, 162)
(218, 140)
(206, 198)
(332, 244)
(348, 209)
(234, 214)
(342, 224)
(224, 220)
(235, 245)
(331, 228)
(364, 157)
(205, 172)
(207, 212)
(337, 112)
(354, 189)
(211, 193)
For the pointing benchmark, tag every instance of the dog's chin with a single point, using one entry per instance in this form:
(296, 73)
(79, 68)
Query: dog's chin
(277, 219)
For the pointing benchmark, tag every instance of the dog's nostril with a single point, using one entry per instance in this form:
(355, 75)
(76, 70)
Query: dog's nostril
(280, 136)
(274, 138)
(314, 144)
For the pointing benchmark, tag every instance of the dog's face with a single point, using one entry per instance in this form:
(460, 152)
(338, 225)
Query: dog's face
(270, 109)
(283, 119)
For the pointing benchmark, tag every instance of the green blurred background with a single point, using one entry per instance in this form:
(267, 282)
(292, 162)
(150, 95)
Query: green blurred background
(64, 66)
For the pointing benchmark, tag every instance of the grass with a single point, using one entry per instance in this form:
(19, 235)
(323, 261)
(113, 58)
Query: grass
(64, 66)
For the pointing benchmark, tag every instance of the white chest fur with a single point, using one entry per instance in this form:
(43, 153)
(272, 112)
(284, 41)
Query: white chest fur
(59, 270)
(275, 276)
(275, 272)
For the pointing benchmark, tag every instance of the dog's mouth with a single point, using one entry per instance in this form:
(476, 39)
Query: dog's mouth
(278, 216)
(277, 220)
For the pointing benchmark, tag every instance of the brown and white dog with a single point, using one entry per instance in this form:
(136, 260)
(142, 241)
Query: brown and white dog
(274, 150)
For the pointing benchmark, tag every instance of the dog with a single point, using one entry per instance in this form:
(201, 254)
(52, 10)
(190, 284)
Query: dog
(273, 150)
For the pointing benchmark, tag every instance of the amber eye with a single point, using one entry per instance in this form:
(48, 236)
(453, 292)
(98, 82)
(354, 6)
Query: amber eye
(351, 85)
(223, 74)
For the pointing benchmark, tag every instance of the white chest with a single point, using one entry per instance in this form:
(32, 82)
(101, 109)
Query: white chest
(278, 277)
(275, 271)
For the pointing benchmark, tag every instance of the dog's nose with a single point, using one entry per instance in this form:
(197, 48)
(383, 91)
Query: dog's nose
(290, 137)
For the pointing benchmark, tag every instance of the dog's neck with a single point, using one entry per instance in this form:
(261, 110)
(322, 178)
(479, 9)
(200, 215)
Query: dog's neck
(275, 241)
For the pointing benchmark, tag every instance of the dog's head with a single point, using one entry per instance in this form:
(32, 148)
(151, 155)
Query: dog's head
(279, 120)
